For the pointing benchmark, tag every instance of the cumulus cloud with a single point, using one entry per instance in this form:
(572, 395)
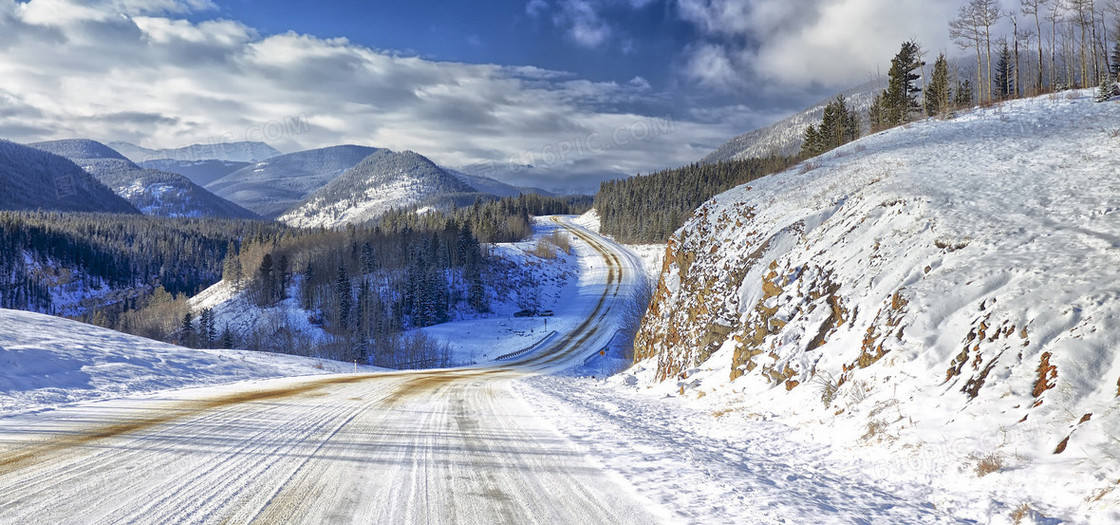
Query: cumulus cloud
(136, 70)
(830, 43)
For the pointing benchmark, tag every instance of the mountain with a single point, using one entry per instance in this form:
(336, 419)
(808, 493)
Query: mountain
(274, 186)
(945, 291)
(227, 151)
(785, 136)
(37, 180)
(201, 172)
(153, 192)
(380, 182)
(494, 187)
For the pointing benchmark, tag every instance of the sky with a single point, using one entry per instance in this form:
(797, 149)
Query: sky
(554, 93)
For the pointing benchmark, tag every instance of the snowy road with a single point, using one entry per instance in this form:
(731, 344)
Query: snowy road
(419, 447)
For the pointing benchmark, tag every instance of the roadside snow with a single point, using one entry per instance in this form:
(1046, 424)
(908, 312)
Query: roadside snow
(46, 362)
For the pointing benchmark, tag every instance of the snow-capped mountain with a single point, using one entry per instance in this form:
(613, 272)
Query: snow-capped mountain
(274, 186)
(33, 179)
(201, 172)
(785, 136)
(228, 151)
(153, 192)
(947, 290)
(382, 181)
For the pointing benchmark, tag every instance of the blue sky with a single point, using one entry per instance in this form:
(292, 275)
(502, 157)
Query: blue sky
(571, 87)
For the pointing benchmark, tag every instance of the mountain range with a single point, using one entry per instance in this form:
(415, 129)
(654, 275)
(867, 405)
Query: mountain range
(33, 179)
(153, 192)
(227, 151)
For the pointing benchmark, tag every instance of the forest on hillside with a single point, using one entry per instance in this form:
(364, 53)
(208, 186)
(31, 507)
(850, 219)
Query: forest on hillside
(649, 208)
(365, 285)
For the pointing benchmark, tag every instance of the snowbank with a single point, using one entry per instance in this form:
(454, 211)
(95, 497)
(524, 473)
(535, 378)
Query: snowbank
(47, 361)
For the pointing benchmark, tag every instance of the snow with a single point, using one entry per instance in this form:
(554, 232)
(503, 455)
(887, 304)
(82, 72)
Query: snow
(975, 250)
(48, 362)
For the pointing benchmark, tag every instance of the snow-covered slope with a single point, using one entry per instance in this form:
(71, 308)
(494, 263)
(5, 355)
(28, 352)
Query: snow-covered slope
(228, 151)
(274, 186)
(153, 192)
(48, 361)
(32, 179)
(785, 136)
(201, 172)
(380, 182)
(946, 291)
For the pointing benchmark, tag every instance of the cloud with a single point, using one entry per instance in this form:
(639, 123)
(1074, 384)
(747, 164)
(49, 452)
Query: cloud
(584, 25)
(829, 43)
(136, 70)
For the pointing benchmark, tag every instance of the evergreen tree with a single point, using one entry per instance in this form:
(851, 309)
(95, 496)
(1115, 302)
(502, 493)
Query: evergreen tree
(345, 299)
(186, 331)
(307, 290)
(838, 127)
(900, 99)
(963, 97)
(1004, 86)
(1115, 59)
(1104, 92)
(283, 277)
(938, 96)
(877, 113)
(227, 337)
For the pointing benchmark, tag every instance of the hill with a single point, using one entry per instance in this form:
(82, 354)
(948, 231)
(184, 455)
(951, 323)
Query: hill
(37, 180)
(380, 182)
(201, 172)
(272, 187)
(944, 291)
(227, 151)
(153, 192)
(784, 138)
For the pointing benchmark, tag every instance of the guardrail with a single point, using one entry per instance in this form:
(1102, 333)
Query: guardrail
(527, 349)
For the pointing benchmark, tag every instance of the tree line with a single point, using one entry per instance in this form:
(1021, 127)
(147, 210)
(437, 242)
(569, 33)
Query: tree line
(649, 208)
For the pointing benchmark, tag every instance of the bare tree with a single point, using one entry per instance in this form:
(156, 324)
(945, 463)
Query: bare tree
(987, 15)
(965, 32)
(1032, 8)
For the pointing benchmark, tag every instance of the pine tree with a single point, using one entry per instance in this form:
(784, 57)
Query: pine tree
(877, 114)
(1104, 92)
(838, 127)
(1115, 58)
(227, 337)
(938, 96)
(963, 96)
(901, 96)
(345, 299)
(307, 293)
(1005, 76)
(186, 331)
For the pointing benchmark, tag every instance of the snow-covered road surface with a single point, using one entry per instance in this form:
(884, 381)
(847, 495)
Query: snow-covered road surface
(469, 445)
(417, 447)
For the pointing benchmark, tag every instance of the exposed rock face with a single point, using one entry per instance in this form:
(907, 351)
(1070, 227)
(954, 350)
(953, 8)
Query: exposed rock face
(948, 278)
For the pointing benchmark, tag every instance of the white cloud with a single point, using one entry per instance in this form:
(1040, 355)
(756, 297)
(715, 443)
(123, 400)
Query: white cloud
(583, 23)
(163, 81)
(831, 43)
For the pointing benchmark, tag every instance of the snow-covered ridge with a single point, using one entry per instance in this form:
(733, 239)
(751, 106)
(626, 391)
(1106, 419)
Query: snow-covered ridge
(947, 286)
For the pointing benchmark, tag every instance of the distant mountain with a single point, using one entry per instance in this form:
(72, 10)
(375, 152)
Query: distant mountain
(492, 186)
(37, 180)
(153, 192)
(228, 151)
(380, 182)
(785, 136)
(276, 185)
(201, 172)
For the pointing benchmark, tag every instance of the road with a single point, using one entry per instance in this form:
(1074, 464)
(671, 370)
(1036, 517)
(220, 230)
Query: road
(448, 446)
